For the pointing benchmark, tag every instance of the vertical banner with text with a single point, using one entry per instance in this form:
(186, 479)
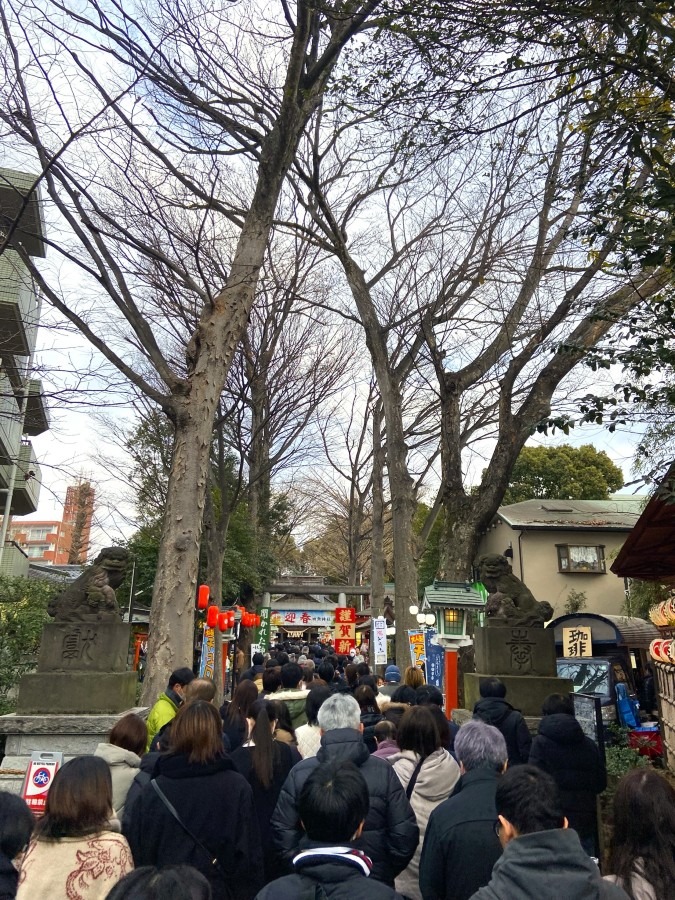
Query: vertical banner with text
(435, 660)
(263, 631)
(208, 657)
(416, 639)
(344, 637)
(380, 641)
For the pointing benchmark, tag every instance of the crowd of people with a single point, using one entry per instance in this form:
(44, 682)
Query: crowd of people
(319, 780)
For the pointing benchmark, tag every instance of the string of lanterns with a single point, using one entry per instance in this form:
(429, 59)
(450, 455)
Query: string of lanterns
(224, 619)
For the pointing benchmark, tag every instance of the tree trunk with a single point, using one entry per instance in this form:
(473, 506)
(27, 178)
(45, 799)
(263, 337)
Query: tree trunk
(377, 534)
(215, 544)
(401, 486)
(171, 626)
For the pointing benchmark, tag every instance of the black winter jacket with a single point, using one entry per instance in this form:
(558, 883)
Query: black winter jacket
(563, 750)
(216, 804)
(9, 878)
(265, 799)
(340, 871)
(390, 834)
(497, 712)
(460, 844)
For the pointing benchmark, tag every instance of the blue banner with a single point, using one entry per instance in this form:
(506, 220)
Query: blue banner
(435, 658)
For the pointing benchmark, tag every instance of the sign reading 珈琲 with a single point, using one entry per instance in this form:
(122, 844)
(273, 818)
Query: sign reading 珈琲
(577, 642)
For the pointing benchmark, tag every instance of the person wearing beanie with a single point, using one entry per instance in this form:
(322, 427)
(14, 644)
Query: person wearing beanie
(392, 679)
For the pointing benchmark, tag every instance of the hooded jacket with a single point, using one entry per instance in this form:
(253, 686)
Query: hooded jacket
(163, 711)
(390, 833)
(124, 767)
(573, 760)
(496, 711)
(547, 864)
(342, 873)
(216, 803)
(295, 700)
(435, 782)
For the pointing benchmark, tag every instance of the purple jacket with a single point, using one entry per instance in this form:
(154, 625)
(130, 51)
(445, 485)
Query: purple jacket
(386, 749)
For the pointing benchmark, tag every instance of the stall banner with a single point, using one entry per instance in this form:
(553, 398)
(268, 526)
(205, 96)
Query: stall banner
(416, 639)
(435, 660)
(344, 637)
(380, 641)
(39, 777)
(263, 631)
(577, 641)
(302, 618)
(207, 660)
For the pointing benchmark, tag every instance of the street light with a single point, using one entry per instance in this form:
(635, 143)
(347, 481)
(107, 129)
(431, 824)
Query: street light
(431, 619)
(414, 610)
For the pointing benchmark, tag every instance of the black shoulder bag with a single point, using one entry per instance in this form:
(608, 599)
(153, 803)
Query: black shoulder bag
(413, 778)
(172, 809)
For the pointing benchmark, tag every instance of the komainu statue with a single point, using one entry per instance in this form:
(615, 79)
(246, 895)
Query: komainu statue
(91, 597)
(509, 601)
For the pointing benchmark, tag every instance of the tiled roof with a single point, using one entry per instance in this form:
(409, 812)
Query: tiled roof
(453, 594)
(617, 513)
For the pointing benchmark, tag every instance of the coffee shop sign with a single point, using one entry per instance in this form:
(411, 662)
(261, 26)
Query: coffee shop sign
(298, 618)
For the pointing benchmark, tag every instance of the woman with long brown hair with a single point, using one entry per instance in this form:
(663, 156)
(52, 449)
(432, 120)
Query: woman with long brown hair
(265, 762)
(198, 810)
(428, 774)
(74, 852)
(642, 850)
(235, 713)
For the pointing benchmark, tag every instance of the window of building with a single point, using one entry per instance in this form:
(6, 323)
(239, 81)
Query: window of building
(37, 534)
(35, 551)
(453, 621)
(580, 559)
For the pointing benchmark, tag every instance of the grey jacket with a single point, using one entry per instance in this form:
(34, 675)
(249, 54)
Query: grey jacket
(547, 864)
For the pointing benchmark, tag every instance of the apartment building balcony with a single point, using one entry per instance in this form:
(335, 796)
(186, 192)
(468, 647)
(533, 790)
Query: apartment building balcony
(15, 187)
(18, 306)
(10, 425)
(37, 413)
(14, 561)
(27, 483)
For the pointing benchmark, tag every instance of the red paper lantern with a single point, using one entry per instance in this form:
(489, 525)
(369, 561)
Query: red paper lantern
(223, 621)
(203, 596)
(257, 620)
(244, 620)
(212, 616)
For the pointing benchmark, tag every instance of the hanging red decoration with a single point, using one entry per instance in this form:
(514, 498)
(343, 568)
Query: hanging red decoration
(223, 621)
(203, 596)
(212, 616)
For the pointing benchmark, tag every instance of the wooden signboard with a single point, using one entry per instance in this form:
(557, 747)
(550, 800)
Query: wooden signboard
(577, 642)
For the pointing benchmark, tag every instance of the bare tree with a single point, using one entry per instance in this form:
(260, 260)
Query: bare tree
(474, 285)
(173, 106)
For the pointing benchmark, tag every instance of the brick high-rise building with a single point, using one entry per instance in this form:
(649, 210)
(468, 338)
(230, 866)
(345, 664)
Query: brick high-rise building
(77, 516)
(59, 543)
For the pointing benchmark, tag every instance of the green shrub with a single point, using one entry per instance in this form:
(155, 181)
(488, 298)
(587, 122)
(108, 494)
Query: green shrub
(23, 612)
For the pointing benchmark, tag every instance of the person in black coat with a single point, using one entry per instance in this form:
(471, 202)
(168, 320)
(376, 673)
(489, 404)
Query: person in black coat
(460, 844)
(390, 834)
(576, 764)
(265, 764)
(333, 805)
(494, 710)
(214, 803)
(16, 827)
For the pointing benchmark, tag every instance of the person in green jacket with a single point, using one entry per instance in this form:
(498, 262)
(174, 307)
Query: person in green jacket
(168, 702)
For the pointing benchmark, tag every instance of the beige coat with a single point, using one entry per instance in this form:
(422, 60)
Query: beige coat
(84, 868)
(436, 779)
(124, 767)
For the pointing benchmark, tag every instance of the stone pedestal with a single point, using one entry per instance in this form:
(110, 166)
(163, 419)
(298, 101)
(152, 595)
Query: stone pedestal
(523, 692)
(89, 646)
(515, 651)
(69, 734)
(523, 659)
(82, 668)
(76, 692)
